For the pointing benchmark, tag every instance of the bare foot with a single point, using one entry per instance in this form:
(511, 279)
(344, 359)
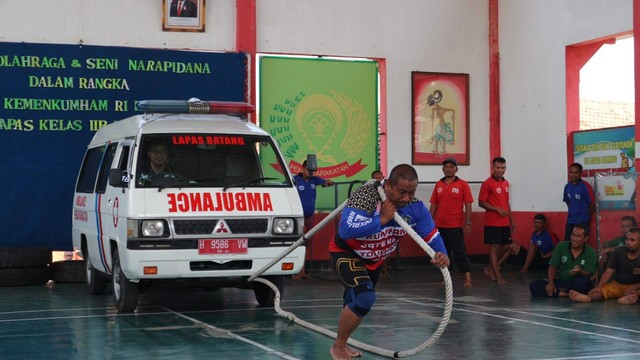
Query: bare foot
(354, 353)
(628, 299)
(340, 353)
(489, 273)
(501, 281)
(576, 296)
(467, 284)
(522, 271)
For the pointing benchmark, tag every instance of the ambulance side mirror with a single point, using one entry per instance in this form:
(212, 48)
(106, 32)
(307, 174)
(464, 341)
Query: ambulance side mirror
(118, 178)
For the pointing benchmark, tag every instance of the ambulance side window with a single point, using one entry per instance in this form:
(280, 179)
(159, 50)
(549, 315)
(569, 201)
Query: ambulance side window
(89, 170)
(123, 165)
(103, 178)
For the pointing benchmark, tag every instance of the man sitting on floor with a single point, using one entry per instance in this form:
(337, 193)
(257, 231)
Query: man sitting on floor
(571, 266)
(624, 267)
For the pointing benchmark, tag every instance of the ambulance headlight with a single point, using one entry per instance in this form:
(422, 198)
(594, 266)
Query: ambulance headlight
(153, 228)
(284, 226)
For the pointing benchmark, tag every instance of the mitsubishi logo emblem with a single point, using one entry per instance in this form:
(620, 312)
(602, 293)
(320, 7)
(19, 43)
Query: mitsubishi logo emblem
(221, 227)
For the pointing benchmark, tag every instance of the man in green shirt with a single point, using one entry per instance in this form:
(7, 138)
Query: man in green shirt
(623, 269)
(570, 268)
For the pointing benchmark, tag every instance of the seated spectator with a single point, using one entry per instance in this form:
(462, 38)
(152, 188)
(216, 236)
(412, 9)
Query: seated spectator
(539, 252)
(570, 268)
(626, 224)
(624, 268)
(541, 246)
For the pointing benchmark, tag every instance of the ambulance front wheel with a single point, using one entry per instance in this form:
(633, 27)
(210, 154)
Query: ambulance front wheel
(264, 295)
(125, 292)
(96, 281)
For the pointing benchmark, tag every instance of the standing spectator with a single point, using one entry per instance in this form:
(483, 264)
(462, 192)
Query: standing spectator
(498, 223)
(367, 234)
(451, 209)
(580, 200)
(377, 175)
(571, 266)
(626, 224)
(306, 183)
(624, 267)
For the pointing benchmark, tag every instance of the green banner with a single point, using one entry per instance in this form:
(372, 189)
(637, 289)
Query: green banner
(322, 107)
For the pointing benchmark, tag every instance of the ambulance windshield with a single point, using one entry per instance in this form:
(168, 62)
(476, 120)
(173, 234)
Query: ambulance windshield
(209, 160)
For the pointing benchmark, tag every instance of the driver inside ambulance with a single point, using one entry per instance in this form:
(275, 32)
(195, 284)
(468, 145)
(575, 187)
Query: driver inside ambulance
(157, 168)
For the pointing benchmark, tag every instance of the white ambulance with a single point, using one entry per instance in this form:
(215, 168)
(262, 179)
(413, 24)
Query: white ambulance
(186, 193)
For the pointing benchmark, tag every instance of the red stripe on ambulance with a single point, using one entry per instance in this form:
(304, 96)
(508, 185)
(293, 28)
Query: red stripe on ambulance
(224, 201)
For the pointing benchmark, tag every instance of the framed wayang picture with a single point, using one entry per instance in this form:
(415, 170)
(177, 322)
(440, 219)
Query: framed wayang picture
(440, 115)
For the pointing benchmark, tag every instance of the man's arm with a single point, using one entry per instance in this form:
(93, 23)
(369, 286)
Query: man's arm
(551, 275)
(432, 209)
(485, 205)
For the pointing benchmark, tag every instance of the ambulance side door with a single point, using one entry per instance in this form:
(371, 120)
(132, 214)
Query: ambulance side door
(108, 200)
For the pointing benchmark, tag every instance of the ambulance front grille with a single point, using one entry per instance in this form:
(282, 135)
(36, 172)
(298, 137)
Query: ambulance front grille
(206, 226)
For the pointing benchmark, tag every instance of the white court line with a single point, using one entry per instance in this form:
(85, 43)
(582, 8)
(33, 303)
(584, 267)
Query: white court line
(540, 315)
(591, 357)
(533, 322)
(235, 336)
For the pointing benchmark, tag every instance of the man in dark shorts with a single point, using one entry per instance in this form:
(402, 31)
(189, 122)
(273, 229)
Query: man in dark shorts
(498, 223)
(367, 234)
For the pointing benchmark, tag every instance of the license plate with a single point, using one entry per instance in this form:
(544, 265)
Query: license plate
(223, 246)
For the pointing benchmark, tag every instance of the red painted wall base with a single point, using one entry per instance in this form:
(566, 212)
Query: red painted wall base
(609, 228)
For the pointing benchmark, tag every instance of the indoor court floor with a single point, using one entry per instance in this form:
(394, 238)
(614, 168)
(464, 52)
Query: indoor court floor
(488, 322)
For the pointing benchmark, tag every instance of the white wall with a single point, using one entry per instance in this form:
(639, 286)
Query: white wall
(135, 23)
(412, 35)
(533, 37)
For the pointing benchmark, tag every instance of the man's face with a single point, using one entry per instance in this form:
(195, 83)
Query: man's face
(578, 238)
(449, 170)
(626, 225)
(538, 225)
(378, 176)
(632, 242)
(158, 155)
(307, 173)
(498, 169)
(401, 193)
(574, 174)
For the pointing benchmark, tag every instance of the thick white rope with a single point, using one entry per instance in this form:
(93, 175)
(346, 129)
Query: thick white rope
(366, 347)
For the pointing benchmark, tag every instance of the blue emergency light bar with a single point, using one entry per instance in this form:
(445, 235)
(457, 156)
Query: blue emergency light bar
(195, 106)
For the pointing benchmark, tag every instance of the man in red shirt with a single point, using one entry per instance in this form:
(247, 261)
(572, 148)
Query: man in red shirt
(451, 195)
(498, 223)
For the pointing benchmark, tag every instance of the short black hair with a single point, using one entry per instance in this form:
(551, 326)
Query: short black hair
(540, 216)
(630, 218)
(499, 159)
(576, 165)
(583, 227)
(376, 172)
(402, 171)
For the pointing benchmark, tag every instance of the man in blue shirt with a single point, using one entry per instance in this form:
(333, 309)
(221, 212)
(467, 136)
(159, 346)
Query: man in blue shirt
(580, 200)
(306, 183)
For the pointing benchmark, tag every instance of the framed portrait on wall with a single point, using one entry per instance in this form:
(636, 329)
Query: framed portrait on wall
(440, 115)
(183, 15)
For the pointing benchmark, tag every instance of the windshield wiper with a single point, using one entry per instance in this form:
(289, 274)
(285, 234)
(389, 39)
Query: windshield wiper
(248, 182)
